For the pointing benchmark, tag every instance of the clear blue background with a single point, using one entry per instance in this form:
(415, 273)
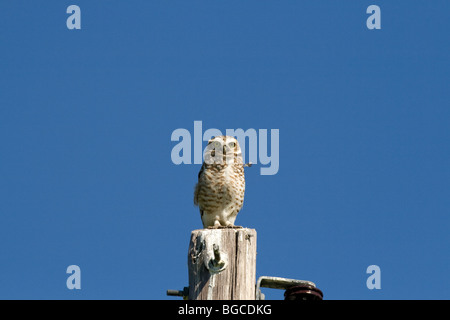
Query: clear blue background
(86, 118)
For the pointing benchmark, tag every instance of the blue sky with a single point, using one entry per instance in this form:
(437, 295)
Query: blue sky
(86, 117)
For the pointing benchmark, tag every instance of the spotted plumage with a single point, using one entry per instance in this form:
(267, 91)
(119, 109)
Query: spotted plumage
(220, 190)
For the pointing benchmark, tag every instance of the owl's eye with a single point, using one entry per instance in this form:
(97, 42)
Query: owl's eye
(217, 144)
(232, 145)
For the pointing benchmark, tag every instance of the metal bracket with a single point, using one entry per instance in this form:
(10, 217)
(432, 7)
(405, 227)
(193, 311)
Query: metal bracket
(278, 283)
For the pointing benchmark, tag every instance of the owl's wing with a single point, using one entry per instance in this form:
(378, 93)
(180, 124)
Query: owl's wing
(197, 186)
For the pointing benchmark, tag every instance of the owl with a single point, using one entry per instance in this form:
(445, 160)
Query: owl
(219, 193)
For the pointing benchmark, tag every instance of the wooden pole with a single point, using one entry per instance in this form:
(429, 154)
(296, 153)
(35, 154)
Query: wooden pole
(222, 264)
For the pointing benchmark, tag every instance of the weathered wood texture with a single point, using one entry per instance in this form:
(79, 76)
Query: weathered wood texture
(222, 264)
